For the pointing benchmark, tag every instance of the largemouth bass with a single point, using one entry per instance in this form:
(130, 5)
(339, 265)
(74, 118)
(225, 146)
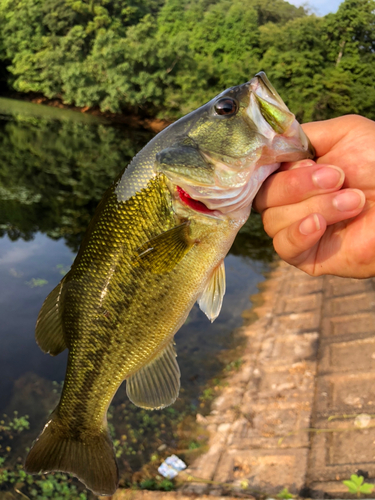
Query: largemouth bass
(154, 247)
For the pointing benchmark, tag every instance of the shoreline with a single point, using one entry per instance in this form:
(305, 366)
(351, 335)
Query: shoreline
(132, 119)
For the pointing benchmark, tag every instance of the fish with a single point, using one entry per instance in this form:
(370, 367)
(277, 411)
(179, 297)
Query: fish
(155, 246)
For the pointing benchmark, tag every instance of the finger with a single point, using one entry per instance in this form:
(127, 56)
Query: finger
(324, 135)
(289, 165)
(296, 185)
(334, 207)
(296, 242)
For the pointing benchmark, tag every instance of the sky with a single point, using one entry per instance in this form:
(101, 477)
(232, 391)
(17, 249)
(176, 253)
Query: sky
(320, 7)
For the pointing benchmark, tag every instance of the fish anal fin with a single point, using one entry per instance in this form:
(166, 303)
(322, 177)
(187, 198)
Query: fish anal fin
(157, 384)
(49, 330)
(211, 299)
(161, 254)
(92, 461)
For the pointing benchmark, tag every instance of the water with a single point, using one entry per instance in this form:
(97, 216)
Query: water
(54, 167)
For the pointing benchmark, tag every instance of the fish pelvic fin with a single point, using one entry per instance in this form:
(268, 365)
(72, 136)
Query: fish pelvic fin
(157, 384)
(49, 330)
(91, 459)
(211, 300)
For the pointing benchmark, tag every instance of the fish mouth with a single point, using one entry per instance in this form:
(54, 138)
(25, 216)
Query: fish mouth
(276, 122)
(196, 205)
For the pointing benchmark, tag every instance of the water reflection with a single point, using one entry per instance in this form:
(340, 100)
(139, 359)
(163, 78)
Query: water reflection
(53, 173)
(28, 271)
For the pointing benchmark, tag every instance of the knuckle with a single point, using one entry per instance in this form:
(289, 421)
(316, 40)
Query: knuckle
(310, 270)
(293, 185)
(268, 222)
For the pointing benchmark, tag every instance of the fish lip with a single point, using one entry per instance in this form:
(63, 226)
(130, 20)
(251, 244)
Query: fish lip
(298, 144)
(262, 87)
(261, 80)
(310, 148)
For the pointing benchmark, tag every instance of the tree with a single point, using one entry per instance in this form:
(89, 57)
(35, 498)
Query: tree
(167, 57)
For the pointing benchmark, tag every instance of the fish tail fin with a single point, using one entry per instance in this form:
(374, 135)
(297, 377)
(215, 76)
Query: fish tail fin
(92, 460)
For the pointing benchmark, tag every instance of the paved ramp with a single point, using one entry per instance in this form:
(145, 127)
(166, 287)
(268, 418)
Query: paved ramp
(288, 416)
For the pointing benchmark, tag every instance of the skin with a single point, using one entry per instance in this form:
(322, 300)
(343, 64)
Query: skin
(321, 215)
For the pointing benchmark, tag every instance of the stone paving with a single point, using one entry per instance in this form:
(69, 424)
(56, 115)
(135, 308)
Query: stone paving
(257, 423)
(289, 416)
(160, 495)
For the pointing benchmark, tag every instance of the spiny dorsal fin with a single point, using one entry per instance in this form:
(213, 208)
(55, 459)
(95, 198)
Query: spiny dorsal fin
(157, 384)
(49, 332)
(211, 299)
(162, 254)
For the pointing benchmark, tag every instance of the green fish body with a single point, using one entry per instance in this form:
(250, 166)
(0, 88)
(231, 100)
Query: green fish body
(154, 247)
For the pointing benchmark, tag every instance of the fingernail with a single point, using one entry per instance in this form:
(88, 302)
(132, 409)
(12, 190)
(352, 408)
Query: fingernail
(328, 178)
(303, 164)
(349, 200)
(310, 225)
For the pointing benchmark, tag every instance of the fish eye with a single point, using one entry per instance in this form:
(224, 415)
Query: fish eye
(226, 106)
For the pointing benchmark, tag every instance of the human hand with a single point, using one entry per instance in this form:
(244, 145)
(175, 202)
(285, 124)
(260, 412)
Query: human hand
(326, 226)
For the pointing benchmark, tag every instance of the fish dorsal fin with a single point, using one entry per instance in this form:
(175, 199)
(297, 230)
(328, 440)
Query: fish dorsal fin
(157, 384)
(161, 254)
(212, 297)
(49, 331)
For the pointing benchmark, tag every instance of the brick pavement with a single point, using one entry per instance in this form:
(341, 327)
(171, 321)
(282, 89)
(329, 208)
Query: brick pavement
(271, 397)
(344, 386)
(160, 495)
(309, 356)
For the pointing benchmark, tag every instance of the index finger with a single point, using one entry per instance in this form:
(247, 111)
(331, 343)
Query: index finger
(324, 135)
(295, 185)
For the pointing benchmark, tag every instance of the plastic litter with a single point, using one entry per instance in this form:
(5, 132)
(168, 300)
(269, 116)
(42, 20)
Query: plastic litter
(362, 420)
(171, 467)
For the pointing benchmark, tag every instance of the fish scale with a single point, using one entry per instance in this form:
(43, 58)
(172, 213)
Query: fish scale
(155, 246)
(125, 320)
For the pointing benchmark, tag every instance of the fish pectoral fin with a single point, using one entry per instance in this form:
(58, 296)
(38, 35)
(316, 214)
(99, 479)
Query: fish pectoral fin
(211, 299)
(161, 254)
(49, 331)
(157, 384)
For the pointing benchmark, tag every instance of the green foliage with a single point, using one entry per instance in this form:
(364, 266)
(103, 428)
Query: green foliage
(234, 365)
(284, 494)
(207, 395)
(57, 486)
(62, 269)
(36, 282)
(357, 486)
(166, 57)
(193, 445)
(10, 425)
(155, 484)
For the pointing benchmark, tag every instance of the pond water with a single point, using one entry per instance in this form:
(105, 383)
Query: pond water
(54, 167)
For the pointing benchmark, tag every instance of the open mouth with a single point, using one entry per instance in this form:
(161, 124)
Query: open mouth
(194, 204)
